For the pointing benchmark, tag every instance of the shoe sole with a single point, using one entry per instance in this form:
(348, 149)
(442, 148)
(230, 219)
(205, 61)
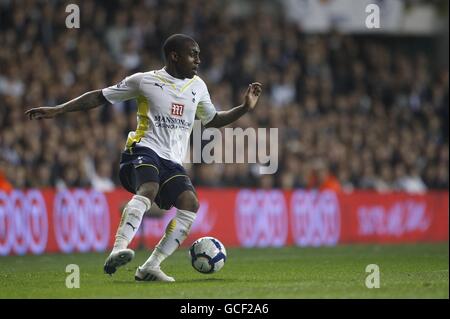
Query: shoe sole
(147, 277)
(123, 258)
(150, 277)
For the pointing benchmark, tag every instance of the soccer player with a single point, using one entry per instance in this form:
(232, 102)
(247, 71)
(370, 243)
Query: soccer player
(151, 164)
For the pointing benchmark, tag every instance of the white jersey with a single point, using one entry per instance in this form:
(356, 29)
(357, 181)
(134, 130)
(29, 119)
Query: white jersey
(166, 110)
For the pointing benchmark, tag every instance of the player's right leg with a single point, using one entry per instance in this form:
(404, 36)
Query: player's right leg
(139, 175)
(131, 220)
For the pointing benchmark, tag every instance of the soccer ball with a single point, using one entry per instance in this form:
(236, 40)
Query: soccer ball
(208, 255)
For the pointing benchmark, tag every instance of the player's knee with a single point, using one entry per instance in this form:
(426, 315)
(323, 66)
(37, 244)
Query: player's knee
(188, 201)
(148, 190)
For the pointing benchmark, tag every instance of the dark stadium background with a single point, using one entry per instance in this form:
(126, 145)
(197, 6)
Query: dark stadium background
(321, 91)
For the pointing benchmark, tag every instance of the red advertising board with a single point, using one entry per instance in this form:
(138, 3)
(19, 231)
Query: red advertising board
(394, 217)
(81, 220)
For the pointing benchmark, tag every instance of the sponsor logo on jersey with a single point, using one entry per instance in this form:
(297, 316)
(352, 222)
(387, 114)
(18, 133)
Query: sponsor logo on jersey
(177, 109)
(172, 122)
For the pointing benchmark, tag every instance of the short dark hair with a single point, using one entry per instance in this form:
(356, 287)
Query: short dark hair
(175, 43)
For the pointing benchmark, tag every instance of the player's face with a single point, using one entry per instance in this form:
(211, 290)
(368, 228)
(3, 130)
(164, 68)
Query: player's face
(189, 60)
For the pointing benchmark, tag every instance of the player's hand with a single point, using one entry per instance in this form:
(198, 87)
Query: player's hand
(252, 94)
(44, 112)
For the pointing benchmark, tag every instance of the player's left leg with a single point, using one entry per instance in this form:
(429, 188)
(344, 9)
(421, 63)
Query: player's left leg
(177, 229)
(176, 232)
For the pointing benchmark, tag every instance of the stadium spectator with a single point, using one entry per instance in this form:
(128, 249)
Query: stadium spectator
(322, 178)
(5, 185)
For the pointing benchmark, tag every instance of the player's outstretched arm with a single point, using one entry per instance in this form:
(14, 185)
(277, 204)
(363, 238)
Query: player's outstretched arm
(84, 102)
(224, 118)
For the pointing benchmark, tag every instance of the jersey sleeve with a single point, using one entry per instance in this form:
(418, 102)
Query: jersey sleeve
(206, 109)
(126, 89)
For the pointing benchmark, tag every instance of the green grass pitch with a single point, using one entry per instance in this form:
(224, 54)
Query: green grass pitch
(406, 271)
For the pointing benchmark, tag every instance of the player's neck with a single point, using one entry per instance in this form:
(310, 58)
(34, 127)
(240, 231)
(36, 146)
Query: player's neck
(173, 72)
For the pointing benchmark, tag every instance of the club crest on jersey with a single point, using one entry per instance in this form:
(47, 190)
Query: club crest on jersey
(177, 109)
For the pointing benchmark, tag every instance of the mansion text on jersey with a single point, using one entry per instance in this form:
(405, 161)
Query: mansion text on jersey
(171, 123)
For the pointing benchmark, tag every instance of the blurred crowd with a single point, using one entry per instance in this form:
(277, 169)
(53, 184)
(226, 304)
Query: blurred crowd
(352, 112)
